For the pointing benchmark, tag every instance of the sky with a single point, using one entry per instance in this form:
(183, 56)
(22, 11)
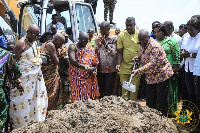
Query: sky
(147, 11)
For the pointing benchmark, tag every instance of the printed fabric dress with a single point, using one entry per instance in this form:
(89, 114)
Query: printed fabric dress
(52, 81)
(5, 74)
(83, 83)
(172, 51)
(30, 105)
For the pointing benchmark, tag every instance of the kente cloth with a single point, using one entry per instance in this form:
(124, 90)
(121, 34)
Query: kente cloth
(83, 83)
(3, 104)
(52, 82)
(30, 105)
(3, 41)
(3, 109)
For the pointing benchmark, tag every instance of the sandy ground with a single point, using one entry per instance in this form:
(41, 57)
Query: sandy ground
(107, 115)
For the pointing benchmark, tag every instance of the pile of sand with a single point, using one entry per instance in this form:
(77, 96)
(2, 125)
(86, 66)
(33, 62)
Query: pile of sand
(108, 115)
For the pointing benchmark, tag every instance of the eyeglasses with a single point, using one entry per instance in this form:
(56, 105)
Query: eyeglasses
(34, 34)
(183, 26)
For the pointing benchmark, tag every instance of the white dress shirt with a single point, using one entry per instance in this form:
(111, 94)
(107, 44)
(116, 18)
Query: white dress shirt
(192, 45)
(196, 70)
(59, 26)
(177, 37)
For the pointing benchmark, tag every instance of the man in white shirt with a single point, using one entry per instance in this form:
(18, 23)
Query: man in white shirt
(182, 90)
(55, 21)
(170, 30)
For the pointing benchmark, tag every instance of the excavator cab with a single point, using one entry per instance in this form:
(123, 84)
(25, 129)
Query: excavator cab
(75, 15)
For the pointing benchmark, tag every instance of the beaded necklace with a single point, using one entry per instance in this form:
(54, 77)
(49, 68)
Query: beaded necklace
(35, 52)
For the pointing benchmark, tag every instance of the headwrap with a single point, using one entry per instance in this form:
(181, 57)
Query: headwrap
(3, 41)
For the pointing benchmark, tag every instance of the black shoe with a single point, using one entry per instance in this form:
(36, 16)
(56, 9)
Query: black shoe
(111, 22)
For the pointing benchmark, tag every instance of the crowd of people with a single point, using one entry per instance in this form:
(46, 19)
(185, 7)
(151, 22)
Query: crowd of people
(36, 79)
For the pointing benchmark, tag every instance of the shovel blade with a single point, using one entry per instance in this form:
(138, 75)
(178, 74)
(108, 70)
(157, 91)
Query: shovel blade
(129, 86)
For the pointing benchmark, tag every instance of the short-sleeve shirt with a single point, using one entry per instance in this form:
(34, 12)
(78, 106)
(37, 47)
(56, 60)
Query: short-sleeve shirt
(128, 42)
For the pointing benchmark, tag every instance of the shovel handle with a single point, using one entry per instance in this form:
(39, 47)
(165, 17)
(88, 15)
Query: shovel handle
(132, 74)
(134, 64)
(130, 79)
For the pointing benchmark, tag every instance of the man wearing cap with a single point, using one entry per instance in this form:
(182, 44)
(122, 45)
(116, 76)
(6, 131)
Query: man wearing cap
(170, 31)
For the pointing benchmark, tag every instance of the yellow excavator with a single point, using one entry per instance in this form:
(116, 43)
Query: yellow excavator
(9, 15)
(12, 4)
(76, 15)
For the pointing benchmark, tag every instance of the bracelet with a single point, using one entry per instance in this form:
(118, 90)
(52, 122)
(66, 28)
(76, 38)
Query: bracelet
(191, 55)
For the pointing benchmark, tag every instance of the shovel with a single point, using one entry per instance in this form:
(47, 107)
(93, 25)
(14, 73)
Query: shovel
(128, 85)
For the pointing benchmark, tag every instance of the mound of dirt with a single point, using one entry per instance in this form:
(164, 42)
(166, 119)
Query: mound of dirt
(107, 115)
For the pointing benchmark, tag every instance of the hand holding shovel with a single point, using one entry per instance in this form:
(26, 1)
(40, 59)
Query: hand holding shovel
(128, 85)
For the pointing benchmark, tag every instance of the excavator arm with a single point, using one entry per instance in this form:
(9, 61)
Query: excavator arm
(9, 15)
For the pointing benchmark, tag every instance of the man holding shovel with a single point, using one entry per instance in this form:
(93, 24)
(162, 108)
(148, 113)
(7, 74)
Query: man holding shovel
(157, 71)
(127, 49)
